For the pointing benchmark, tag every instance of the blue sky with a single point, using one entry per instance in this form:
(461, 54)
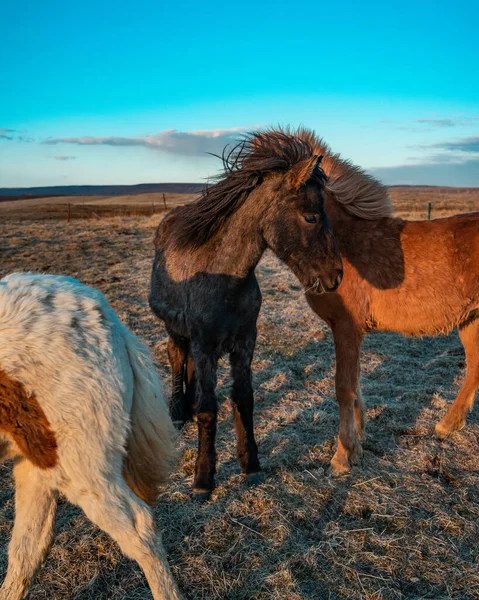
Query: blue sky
(121, 92)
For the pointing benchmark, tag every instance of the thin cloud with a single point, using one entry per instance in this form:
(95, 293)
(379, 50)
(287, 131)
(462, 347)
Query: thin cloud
(4, 134)
(438, 122)
(468, 145)
(65, 157)
(187, 143)
(450, 151)
(430, 123)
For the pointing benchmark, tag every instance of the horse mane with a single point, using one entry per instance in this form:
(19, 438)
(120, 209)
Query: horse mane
(360, 194)
(245, 166)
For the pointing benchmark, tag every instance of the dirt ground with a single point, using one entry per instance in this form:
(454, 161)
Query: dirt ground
(402, 525)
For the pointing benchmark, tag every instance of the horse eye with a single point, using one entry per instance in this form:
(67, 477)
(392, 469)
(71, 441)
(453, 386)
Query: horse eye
(310, 218)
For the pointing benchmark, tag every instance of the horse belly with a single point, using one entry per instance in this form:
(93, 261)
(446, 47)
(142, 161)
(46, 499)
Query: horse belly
(424, 312)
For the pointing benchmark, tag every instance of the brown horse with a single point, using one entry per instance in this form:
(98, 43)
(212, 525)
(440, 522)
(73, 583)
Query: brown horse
(203, 284)
(412, 277)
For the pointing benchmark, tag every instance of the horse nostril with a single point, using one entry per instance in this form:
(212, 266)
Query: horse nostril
(335, 282)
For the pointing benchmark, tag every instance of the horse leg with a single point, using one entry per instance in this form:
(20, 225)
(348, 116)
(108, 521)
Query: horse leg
(34, 529)
(177, 354)
(455, 417)
(347, 339)
(190, 394)
(243, 403)
(359, 410)
(113, 507)
(206, 415)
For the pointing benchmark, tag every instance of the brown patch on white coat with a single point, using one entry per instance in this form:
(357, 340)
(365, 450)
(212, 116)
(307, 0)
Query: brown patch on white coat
(24, 422)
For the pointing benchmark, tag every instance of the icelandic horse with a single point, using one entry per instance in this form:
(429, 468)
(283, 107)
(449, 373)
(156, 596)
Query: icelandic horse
(82, 413)
(204, 287)
(412, 277)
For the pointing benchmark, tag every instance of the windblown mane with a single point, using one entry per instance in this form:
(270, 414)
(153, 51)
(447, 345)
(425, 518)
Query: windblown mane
(245, 167)
(361, 194)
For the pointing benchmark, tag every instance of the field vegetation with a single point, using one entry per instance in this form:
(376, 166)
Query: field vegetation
(409, 202)
(403, 525)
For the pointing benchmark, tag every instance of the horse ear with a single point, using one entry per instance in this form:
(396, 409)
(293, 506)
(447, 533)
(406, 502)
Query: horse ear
(303, 171)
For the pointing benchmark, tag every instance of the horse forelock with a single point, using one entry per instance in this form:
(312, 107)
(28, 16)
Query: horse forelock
(258, 156)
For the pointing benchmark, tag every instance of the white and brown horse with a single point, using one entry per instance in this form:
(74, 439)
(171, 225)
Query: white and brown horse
(82, 413)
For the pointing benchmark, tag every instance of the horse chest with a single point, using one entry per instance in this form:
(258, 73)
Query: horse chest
(221, 315)
(225, 313)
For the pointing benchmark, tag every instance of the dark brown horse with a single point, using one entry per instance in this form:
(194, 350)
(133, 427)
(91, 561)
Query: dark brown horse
(412, 277)
(203, 282)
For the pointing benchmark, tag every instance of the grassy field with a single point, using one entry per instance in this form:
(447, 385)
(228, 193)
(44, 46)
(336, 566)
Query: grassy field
(93, 207)
(410, 202)
(403, 525)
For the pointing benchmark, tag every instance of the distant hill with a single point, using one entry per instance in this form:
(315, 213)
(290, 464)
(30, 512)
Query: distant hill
(435, 188)
(7, 194)
(102, 190)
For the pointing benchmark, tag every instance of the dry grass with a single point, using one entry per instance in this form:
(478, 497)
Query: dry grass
(403, 525)
(56, 207)
(409, 202)
(412, 202)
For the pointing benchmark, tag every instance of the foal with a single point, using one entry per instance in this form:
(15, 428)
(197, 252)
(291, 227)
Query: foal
(204, 287)
(412, 277)
(81, 413)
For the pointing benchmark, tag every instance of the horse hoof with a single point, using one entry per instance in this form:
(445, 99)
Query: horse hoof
(443, 431)
(201, 496)
(338, 469)
(338, 472)
(254, 478)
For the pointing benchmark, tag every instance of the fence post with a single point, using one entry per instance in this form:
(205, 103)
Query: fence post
(429, 208)
(164, 200)
(69, 214)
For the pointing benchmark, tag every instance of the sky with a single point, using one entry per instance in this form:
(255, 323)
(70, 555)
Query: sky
(117, 92)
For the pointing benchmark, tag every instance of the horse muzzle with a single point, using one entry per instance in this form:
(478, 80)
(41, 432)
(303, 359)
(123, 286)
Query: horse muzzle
(322, 285)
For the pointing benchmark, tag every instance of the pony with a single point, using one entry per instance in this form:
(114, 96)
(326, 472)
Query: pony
(82, 413)
(204, 288)
(412, 277)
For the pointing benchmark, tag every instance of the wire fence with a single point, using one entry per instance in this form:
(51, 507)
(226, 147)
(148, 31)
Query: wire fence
(71, 211)
(98, 211)
(68, 211)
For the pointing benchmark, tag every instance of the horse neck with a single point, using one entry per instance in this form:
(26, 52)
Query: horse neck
(239, 246)
(344, 225)
(352, 232)
(373, 248)
(234, 250)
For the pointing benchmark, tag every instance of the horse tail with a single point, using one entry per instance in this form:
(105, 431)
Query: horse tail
(151, 450)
